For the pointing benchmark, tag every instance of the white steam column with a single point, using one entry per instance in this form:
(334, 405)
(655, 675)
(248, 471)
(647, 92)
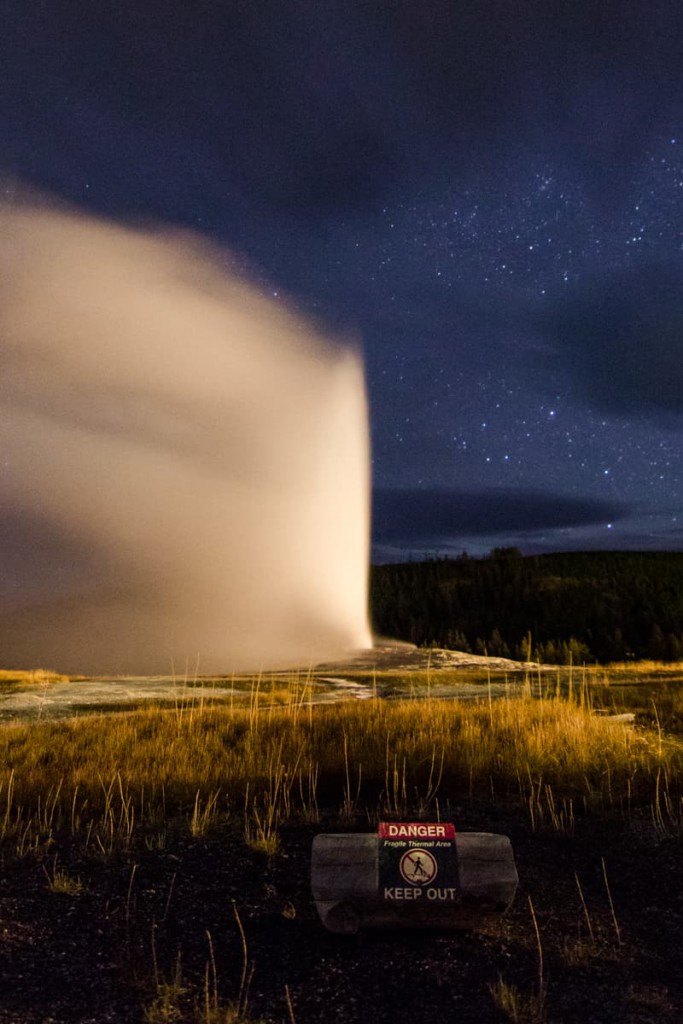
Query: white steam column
(184, 470)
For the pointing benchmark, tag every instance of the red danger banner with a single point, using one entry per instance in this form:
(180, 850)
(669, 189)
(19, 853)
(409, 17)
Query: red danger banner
(416, 830)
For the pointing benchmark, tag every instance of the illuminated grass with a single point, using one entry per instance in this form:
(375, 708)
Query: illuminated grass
(31, 676)
(111, 775)
(121, 784)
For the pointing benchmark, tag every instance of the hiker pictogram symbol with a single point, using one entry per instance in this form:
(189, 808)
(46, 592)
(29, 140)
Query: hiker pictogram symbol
(418, 867)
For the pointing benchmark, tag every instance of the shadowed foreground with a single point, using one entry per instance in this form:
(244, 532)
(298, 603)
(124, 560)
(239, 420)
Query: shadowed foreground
(136, 847)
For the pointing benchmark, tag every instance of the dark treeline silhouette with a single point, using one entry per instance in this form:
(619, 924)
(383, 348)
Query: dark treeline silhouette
(586, 606)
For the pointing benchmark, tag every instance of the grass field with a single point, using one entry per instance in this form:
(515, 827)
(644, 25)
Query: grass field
(106, 792)
(281, 762)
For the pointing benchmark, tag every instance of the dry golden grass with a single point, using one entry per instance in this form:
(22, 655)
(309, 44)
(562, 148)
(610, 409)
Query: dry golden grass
(32, 676)
(640, 668)
(104, 783)
(115, 773)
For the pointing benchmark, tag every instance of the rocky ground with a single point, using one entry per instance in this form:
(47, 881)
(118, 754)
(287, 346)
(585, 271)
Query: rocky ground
(388, 655)
(41, 696)
(107, 952)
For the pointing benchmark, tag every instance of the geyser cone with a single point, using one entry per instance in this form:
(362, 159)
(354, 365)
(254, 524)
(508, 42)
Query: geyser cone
(185, 475)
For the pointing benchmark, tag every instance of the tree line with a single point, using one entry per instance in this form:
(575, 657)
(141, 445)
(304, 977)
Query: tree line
(577, 606)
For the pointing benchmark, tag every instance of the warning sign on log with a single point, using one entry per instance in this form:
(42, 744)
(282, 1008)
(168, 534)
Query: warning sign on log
(417, 861)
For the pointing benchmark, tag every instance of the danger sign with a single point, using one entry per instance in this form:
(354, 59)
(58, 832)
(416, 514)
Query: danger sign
(417, 861)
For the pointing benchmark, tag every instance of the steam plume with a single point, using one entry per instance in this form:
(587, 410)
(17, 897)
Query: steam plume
(183, 464)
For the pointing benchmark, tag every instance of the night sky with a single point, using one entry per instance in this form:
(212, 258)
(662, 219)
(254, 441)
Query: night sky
(487, 196)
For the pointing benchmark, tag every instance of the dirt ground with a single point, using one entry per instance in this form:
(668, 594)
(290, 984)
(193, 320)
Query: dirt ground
(103, 954)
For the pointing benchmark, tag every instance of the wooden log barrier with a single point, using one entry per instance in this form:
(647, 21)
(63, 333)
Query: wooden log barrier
(416, 879)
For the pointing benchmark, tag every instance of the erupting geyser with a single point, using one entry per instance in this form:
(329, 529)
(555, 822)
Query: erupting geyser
(183, 464)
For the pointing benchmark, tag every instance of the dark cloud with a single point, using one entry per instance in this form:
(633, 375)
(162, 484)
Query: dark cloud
(426, 518)
(217, 106)
(493, 81)
(308, 109)
(621, 336)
